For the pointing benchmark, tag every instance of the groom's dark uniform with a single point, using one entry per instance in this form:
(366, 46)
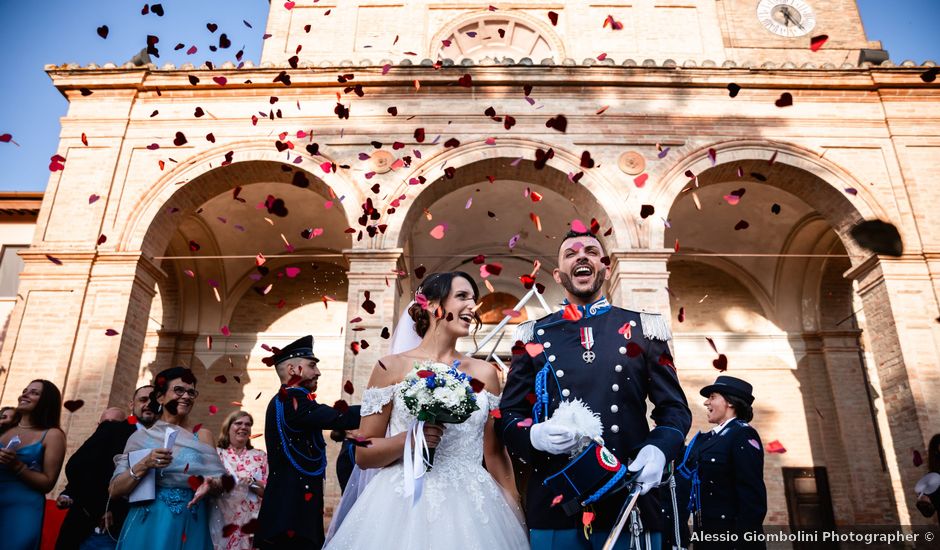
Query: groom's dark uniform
(612, 359)
(292, 508)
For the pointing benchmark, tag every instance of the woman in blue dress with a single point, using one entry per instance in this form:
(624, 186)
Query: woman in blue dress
(178, 517)
(31, 456)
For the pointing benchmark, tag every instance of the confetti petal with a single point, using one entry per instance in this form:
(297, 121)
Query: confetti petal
(438, 231)
(817, 42)
(534, 349)
(786, 100)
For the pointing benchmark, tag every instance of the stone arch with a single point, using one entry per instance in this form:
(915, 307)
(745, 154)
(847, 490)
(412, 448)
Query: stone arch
(801, 169)
(495, 160)
(150, 225)
(543, 37)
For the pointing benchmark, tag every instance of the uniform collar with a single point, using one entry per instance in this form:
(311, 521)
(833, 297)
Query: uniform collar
(599, 307)
(717, 429)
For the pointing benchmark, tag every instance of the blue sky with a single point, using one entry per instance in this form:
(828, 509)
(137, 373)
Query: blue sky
(64, 31)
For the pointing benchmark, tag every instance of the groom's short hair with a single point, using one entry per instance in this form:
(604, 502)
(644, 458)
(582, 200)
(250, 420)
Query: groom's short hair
(571, 234)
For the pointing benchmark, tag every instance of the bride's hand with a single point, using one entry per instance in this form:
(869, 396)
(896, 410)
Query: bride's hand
(433, 434)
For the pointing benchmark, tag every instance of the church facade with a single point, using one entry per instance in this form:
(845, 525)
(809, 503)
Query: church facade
(203, 215)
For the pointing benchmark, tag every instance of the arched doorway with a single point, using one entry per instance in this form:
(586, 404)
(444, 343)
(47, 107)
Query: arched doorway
(760, 269)
(258, 263)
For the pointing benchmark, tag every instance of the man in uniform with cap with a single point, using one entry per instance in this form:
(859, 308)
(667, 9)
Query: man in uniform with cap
(292, 509)
(613, 360)
(724, 471)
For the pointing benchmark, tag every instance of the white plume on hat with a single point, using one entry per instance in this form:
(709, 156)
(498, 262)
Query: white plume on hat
(927, 484)
(577, 417)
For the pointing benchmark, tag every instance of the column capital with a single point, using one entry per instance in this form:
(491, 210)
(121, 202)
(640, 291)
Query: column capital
(639, 278)
(373, 255)
(642, 253)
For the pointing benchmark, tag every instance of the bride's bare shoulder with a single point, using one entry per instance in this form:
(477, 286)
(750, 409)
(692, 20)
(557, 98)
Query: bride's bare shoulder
(483, 371)
(388, 371)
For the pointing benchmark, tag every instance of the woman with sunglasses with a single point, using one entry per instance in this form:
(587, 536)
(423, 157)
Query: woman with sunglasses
(178, 517)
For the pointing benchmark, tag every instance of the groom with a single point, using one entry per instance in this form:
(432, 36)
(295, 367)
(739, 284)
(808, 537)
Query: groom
(613, 360)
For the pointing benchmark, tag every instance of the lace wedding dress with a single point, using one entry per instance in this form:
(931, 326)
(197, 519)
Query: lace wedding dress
(460, 506)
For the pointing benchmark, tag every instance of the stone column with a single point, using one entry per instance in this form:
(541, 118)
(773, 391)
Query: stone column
(900, 310)
(852, 443)
(638, 280)
(62, 331)
(371, 271)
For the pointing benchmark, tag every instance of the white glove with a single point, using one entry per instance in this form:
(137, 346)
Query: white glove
(650, 462)
(552, 439)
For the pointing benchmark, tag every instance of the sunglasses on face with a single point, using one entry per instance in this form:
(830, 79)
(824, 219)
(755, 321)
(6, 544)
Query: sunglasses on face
(180, 390)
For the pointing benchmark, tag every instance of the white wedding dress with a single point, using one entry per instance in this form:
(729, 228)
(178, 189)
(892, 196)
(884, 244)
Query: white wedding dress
(460, 507)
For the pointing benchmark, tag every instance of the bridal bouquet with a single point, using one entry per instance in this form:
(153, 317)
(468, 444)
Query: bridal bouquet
(438, 394)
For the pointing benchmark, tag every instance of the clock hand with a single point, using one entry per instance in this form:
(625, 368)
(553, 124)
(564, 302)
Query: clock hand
(786, 15)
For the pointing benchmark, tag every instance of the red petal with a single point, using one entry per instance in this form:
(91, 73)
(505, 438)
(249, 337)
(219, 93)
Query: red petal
(817, 42)
(194, 482)
(572, 313)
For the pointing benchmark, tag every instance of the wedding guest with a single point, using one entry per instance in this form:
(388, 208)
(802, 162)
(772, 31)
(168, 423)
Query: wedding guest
(31, 457)
(726, 468)
(8, 418)
(92, 521)
(292, 514)
(249, 467)
(178, 518)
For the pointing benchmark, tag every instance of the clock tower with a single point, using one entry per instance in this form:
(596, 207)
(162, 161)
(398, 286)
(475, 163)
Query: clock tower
(781, 30)
(750, 32)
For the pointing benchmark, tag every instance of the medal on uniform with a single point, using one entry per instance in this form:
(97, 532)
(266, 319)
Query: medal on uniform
(587, 342)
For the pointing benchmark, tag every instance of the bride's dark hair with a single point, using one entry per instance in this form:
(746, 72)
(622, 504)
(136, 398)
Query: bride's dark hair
(436, 287)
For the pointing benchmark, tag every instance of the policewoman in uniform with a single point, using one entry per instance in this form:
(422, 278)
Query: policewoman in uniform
(292, 509)
(725, 469)
(612, 359)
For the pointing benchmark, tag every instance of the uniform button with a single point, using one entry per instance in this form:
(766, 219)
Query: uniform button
(551, 358)
(623, 350)
(713, 461)
(614, 408)
(559, 373)
(618, 368)
(615, 387)
(722, 516)
(547, 345)
(566, 393)
(540, 331)
(615, 428)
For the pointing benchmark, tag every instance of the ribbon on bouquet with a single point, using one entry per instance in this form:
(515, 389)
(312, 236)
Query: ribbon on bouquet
(415, 464)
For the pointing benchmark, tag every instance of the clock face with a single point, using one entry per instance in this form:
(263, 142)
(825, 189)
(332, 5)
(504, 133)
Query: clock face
(787, 18)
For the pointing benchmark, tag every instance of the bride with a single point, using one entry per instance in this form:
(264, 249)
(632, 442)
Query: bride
(456, 504)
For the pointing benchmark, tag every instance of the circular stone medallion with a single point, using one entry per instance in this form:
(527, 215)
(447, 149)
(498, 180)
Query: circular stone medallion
(632, 163)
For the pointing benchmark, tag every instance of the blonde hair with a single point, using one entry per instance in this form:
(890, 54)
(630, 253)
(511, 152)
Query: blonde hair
(224, 442)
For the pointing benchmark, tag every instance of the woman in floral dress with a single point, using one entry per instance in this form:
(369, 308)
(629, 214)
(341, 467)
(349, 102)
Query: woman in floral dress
(249, 467)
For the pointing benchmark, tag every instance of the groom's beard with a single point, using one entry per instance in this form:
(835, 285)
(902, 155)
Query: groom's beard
(583, 295)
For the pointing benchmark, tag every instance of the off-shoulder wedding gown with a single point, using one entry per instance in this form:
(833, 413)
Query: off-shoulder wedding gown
(460, 507)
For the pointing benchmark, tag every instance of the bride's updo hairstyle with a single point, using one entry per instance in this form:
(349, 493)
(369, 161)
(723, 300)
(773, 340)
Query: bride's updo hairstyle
(436, 288)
